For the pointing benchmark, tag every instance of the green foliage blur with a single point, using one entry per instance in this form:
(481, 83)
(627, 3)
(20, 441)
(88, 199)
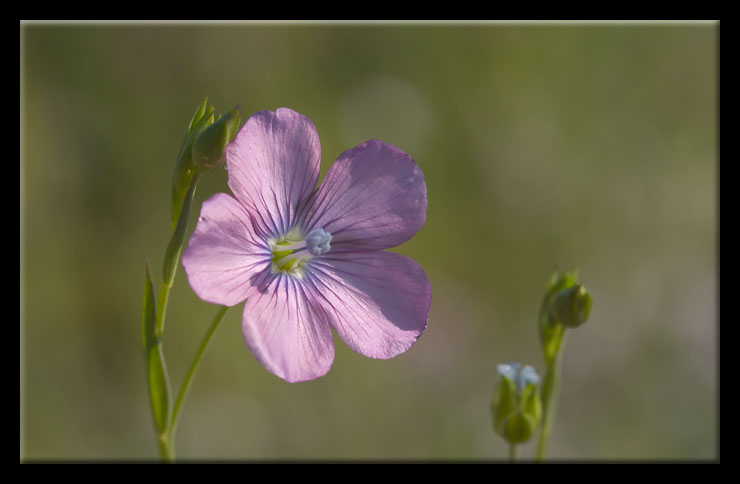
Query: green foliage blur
(581, 145)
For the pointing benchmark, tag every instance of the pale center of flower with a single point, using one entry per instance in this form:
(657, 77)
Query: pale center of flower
(291, 252)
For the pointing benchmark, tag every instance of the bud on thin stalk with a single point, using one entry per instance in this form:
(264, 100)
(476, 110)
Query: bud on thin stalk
(515, 407)
(567, 304)
(208, 149)
(184, 167)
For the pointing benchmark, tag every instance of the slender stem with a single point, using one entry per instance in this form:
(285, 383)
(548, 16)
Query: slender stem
(513, 452)
(550, 392)
(191, 372)
(166, 452)
(169, 268)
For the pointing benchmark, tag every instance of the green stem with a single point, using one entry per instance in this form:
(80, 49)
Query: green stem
(166, 452)
(512, 452)
(550, 392)
(171, 260)
(170, 433)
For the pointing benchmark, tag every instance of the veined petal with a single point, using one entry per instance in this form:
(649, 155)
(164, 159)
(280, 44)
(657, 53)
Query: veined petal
(287, 332)
(223, 258)
(377, 302)
(273, 166)
(373, 197)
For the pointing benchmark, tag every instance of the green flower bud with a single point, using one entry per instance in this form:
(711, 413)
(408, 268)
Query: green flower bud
(515, 407)
(571, 307)
(566, 304)
(184, 167)
(201, 150)
(208, 149)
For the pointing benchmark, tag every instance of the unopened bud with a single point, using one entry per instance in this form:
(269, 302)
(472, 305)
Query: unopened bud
(184, 168)
(202, 149)
(515, 407)
(208, 149)
(571, 307)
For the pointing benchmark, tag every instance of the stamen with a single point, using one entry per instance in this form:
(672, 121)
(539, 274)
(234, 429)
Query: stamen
(289, 255)
(282, 247)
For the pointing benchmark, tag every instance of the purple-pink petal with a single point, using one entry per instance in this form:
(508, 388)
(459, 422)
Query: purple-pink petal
(377, 302)
(373, 197)
(287, 333)
(273, 166)
(223, 254)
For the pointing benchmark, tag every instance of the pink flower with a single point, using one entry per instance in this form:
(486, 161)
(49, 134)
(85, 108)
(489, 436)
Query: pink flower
(307, 260)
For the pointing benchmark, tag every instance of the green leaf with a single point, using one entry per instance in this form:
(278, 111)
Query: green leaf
(159, 385)
(177, 240)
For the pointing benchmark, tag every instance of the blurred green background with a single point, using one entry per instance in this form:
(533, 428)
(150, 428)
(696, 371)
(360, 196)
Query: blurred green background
(586, 145)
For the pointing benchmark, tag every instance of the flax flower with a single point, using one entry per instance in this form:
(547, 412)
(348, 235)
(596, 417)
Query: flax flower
(307, 260)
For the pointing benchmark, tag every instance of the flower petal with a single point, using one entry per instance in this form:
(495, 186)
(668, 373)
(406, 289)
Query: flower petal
(373, 197)
(287, 332)
(222, 258)
(377, 302)
(273, 166)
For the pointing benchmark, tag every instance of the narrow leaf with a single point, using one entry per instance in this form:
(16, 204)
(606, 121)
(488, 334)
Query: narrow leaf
(177, 239)
(159, 386)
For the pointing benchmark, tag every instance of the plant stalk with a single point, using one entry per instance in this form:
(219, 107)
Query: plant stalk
(550, 393)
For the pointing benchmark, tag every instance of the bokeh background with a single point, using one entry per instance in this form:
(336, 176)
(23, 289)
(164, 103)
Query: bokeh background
(586, 145)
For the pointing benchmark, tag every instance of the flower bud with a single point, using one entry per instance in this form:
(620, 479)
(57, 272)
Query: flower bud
(567, 304)
(208, 148)
(184, 167)
(515, 407)
(571, 307)
(202, 149)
